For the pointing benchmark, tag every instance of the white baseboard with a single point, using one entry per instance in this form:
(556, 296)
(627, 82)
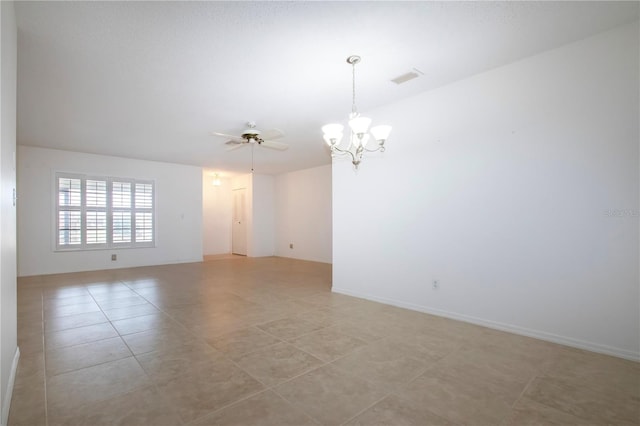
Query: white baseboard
(542, 335)
(6, 403)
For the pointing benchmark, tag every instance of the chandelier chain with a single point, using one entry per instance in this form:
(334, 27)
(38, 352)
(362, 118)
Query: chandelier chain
(354, 109)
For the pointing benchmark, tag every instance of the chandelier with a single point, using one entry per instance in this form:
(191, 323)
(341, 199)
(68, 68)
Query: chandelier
(359, 126)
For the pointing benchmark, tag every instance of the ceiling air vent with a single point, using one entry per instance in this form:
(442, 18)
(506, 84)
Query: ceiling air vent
(407, 76)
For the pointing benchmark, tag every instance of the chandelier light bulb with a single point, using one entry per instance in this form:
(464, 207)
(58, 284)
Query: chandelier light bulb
(360, 125)
(333, 140)
(364, 139)
(332, 134)
(333, 129)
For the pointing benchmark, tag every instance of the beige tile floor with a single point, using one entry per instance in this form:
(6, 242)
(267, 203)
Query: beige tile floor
(239, 341)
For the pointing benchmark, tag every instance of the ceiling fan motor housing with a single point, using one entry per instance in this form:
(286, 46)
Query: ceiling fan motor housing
(251, 133)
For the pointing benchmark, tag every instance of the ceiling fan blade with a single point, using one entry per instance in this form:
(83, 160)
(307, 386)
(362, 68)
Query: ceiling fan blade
(233, 146)
(225, 135)
(272, 134)
(275, 145)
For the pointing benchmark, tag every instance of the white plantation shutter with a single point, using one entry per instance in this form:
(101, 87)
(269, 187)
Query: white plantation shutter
(144, 212)
(121, 194)
(103, 212)
(121, 227)
(69, 211)
(95, 193)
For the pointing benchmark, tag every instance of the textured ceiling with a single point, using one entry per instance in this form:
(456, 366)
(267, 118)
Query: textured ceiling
(151, 80)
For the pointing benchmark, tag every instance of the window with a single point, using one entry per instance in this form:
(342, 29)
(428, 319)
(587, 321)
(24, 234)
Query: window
(103, 212)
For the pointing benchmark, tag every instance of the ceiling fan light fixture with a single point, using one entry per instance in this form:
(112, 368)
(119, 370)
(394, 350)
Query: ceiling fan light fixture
(251, 136)
(359, 126)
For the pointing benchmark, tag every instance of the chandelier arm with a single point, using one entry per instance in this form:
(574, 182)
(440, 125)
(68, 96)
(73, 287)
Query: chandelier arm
(378, 148)
(340, 151)
(345, 152)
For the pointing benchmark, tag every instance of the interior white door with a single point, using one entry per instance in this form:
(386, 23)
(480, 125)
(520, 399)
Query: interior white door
(239, 227)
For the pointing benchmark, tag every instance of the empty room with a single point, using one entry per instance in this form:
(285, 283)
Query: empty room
(319, 213)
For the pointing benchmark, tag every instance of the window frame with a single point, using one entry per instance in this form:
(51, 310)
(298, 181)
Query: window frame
(109, 209)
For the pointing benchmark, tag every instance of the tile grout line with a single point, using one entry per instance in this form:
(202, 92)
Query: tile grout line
(530, 382)
(244, 398)
(86, 286)
(393, 388)
(203, 341)
(365, 409)
(522, 395)
(266, 387)
(44, 367)
(524, 390)
(272, 388)
(153, 382)
(133, 355)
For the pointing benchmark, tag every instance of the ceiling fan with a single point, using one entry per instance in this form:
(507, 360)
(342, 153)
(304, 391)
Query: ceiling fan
(251, 135)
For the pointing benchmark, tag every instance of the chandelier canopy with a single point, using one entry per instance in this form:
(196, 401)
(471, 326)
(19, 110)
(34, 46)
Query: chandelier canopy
(359, 126)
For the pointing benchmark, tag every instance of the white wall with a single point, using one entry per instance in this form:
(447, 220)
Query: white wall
(289, 208)
(178, 212)
(303, 214)
(260, 214)
(262, 241)
(8, 299)
(216, 210)
(518, 189)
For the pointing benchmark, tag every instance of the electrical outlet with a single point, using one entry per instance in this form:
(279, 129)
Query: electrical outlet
(290, 245)
(436, 284)
(114, 257)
